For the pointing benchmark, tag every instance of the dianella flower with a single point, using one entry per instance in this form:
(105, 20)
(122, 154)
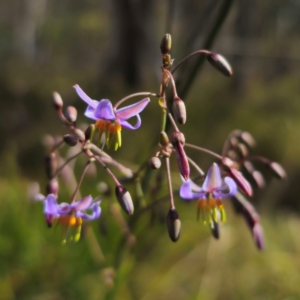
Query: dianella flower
(110, 120)
(71, 216)
(210, 195)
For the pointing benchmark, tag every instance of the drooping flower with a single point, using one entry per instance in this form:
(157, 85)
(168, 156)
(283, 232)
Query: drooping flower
(110, 120)
(70, 216)
(210, 195)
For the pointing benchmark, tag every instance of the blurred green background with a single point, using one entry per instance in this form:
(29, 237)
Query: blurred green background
(111, 49)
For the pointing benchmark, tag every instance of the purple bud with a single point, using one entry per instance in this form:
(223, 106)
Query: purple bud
(70, 140)
(155, 163)
(220, 63)
(166, 44)
(178, 141)
(51, 165)
(276, 169)
(57, 101)
(258, 236)
(174, 224)
(71, 114)
(124, 199)
(179, 110)
(238, 177)
(52, 187)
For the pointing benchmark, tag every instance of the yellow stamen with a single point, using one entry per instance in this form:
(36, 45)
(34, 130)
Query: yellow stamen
(211, 209)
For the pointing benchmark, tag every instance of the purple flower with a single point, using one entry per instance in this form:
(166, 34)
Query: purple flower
(109, 119)
(71, 215)
(210, 194)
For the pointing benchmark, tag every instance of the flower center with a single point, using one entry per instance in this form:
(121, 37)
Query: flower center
(112, 129)
(211, 209)
(70, 223)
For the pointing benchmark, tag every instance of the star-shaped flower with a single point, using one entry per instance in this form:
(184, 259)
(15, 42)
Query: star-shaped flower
(210, 194)
(71, 215)
(109, 119)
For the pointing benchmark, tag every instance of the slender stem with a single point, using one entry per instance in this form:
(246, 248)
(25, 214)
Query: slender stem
(108, 159)
(99, 160)
(204, 150)
(164, 120)
(66, 162)
(172, 205)
(196, 166)
(172, 81)
(134, 95)
(80, 181)
(57, 145)
(173, 122)
(206, 52)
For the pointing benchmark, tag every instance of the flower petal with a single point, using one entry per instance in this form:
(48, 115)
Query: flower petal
(96, 211)
(85, 97)
(90, 113)
(82, 204)
(186, 192)
(132, 110)
(232, 189)
(104, 110)
(50, 207)
(213, 179)
(63, 208)
(127, 125)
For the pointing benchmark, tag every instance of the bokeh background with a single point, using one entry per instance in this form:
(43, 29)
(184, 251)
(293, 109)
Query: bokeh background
(111, 48)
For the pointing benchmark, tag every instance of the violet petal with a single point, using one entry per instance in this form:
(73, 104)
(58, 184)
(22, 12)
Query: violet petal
(132, 110)
(104, 110)
(85, 97)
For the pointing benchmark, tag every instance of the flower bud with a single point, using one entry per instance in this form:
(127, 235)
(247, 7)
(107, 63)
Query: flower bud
(238, 177)
(163, 139)
(89, 133)
(179, 110)
(71, 114)
(124, 199)
(174, 224)
(178, 141)
(52, 187)
(247, 138)
(155, 163)
(57, 101)
(51, 165)
(166, 44)
(220, 63)
(215, 229)
(258, 236)
(70, 140)
(259, 179)
(276, 169)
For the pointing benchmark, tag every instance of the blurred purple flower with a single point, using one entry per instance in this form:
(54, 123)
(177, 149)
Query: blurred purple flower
(71, 215)
(110, 120)
(210, 194)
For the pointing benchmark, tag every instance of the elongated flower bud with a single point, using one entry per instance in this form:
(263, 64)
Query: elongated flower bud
(51, 165)
(247, 138)
(57, 101)
(220, 63)
(238, 177)
(179, 110)
(124, 199)
(155, 163)
(166, 44)
(71, 114)
(70, 140)
(174, 224)
(276, 169)
(178, 141)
